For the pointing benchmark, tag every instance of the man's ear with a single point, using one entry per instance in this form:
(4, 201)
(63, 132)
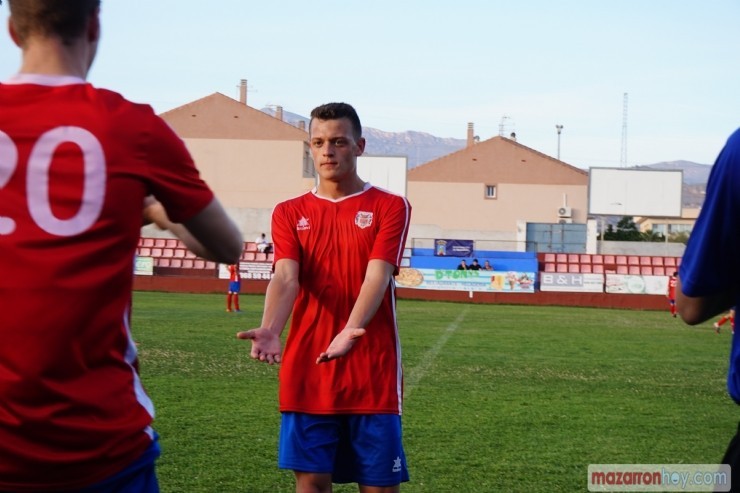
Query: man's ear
(93, 26)
(360, 146)
(13, 34)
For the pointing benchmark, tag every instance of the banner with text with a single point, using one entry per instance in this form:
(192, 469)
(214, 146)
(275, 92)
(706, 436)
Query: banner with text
(576, 283)
(466, 280)
(453, 248)
(620, 283)
(248, 270)
(144, 266)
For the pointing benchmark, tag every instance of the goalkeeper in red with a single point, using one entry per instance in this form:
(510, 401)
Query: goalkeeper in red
(337, 249)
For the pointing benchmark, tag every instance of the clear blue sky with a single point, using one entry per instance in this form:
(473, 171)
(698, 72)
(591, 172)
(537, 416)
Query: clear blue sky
(433, 66)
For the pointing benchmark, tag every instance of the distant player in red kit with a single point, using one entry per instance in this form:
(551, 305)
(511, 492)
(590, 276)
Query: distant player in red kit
(671, 294)
(729, 316)
(235, 285)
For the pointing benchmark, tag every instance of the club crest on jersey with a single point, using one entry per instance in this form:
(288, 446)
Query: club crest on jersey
(302, 224)
(364, 219)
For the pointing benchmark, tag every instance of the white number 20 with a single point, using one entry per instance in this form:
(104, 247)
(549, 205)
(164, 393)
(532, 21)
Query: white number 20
(37, 180)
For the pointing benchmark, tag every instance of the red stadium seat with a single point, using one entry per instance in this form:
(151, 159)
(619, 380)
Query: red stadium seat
(270, 257)
(586, 268)
(156, 252)
(180, 253)
(176, 262)
(678, 261)
(248, 255)
(147, 242)
(644, 260)
(199, 263)
(260, 257)
(574, 268)
(634, 270)
(633, 260)
(621, 259)
(251, 246)
(585, 258)
(187, 263)
(657, 261)
(162, 262)
(160, 242)
(562, 258)
(550, 258)
(646, 270)
(598, 268)
(597, 259)
(609, 259)
(573, 258)
(658, 271)
(549, 267)
(670, 262)
(168, 252)
(144, 252)
(189, 254)
(622, 269)
(210, 265)
(561, 268)
(171, 243)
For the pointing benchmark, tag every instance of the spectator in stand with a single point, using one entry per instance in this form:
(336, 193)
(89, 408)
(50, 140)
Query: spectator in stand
(487, 265)
(475, 265)
(263, 246)
(671, 293)
(463, 265)
(76, 165)
(235, 285)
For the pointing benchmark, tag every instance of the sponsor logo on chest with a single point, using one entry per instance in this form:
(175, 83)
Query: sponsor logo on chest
(363, 219)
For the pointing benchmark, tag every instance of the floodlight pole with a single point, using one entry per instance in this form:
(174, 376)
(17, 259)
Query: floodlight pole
(559, 128)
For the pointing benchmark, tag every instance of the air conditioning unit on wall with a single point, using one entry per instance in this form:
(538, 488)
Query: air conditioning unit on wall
(565, 211)
(565, 221)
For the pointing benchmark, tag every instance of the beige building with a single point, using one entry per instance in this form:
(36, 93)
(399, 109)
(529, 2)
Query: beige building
(490, 189)
(251, 160)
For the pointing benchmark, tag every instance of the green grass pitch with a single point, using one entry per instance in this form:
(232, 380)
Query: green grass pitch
(498, 398)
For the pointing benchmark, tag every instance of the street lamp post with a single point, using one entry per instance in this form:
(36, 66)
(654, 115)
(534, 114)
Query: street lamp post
(559, 128)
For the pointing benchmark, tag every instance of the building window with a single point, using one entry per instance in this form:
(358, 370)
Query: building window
(490, 191)
(308, 169)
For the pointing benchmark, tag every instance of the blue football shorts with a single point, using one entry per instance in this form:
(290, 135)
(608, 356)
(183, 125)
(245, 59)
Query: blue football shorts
(353, 448)
(234, 286)
(139, 477)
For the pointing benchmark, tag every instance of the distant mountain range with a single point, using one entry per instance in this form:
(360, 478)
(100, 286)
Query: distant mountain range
(420, 147)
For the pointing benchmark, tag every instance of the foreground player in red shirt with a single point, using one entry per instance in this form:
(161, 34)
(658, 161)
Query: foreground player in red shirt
(76, 163)
(337, 249)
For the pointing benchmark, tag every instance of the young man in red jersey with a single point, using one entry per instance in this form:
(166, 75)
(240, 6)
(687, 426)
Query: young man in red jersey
(337, 249)
(76, 164)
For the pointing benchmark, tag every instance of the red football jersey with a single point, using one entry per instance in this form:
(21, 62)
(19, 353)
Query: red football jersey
(333, 241)
(75, 165)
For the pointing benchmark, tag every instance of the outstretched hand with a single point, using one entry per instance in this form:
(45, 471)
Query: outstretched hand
(265, 344)
(341, 345)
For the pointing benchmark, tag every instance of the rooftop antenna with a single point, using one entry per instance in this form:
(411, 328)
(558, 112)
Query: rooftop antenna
(623, 155)
(559, 129)
(502, 125)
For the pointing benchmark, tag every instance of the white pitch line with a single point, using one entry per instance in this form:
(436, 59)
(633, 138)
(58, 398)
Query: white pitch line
(420, 370)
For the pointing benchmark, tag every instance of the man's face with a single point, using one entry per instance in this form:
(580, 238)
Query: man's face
(334, 149)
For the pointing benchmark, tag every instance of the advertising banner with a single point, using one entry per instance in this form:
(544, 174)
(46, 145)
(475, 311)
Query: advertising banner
(620, 283)
(248, 270)
(453, 248)
(466, 280)
(576, 283)
(144, 266)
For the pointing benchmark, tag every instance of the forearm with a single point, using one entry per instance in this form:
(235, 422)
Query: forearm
(279, 300)
(695, 310)
(372, 292)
